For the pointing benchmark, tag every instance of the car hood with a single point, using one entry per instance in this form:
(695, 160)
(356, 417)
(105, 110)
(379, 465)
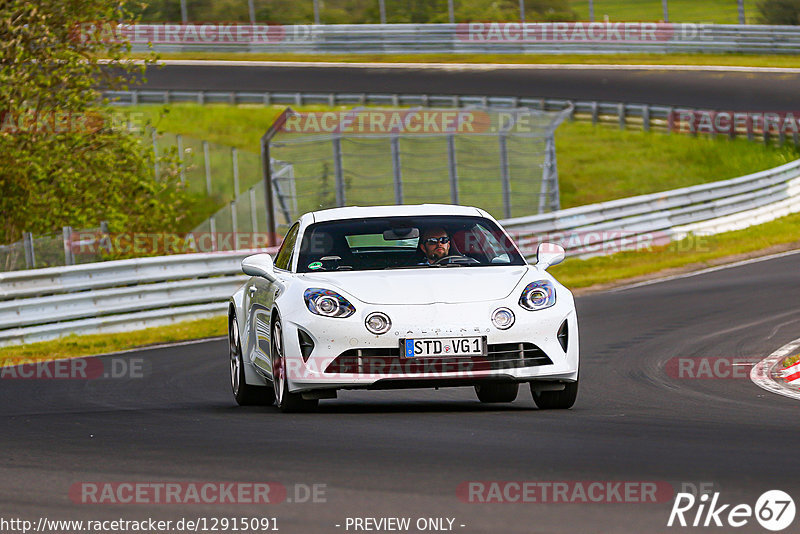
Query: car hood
(454, 285)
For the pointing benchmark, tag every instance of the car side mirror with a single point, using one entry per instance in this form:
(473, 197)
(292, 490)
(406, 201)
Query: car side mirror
(548, 254)
(259, 265)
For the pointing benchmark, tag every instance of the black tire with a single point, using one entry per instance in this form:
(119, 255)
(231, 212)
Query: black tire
(285, 401)
(244, 393)
(556, 400)
(497, 392)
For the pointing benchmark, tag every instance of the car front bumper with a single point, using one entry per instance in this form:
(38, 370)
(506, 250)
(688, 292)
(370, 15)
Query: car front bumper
(377, 362)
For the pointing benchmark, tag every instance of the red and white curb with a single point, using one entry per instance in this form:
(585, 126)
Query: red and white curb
(768, 373)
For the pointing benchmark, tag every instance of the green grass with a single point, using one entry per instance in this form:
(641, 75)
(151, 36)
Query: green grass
(696, 252)
(599, 163)
(734, 60)
(709, 11)
(595, 163)
(75, 346)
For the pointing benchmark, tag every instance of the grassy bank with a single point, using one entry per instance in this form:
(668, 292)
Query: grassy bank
(726, 60)
(708, 11)
(73, 346)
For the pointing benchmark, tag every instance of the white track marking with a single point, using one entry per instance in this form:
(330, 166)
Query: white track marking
(704, 271)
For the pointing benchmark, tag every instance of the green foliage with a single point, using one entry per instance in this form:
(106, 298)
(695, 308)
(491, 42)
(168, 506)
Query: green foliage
(779, 11)
(62, 160)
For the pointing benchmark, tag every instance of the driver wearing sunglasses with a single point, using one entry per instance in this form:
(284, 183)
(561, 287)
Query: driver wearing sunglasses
(435, 244)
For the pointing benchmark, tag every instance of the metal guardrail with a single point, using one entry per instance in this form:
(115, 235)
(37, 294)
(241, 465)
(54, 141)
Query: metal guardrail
(468, 38)
(647, 117)
(114, 296)
(659, 218)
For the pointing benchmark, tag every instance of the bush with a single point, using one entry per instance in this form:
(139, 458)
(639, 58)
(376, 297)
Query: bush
(63, 162)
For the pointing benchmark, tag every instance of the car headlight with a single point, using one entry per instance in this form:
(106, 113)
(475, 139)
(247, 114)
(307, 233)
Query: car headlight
(327, 303)
(378, 323)
(538, 295)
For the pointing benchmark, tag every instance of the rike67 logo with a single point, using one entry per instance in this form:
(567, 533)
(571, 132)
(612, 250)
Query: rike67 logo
(774, 510)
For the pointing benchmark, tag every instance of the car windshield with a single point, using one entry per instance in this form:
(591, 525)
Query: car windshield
(394, 243)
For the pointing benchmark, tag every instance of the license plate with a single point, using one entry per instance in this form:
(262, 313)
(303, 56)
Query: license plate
(443, 347)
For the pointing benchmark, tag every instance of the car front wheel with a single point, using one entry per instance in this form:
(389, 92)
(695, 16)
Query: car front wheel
(244, 393)
(284, 400)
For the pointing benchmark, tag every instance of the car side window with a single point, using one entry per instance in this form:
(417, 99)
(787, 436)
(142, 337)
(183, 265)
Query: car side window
(284, 257)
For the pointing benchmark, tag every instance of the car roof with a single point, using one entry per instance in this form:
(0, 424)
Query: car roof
(361, 212)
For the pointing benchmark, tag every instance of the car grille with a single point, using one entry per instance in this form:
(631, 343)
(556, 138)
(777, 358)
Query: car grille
(385, 361)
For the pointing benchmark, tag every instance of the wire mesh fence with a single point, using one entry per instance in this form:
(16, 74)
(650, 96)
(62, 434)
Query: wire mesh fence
(218, 171)
(501, 160)
(52, 250)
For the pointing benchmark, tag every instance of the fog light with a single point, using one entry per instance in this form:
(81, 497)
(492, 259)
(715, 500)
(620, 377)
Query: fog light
(503, 318)
(378, 323)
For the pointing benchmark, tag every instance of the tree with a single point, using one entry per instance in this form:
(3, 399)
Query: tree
(779, 12)
(63, 160)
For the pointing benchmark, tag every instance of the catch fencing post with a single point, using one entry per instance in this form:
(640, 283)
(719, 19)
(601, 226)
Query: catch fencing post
(234, 222)
(235, 159)
(396, 170)
(30, 256)
(105, 241)
(452, 168)
(179, 140)
(549, 196)
(212, 226)
(208, 167)
(504, 174)
(69, 258)
(155, 152)
(338, 170)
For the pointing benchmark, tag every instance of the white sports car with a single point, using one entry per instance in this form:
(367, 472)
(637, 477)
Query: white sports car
(394, 297)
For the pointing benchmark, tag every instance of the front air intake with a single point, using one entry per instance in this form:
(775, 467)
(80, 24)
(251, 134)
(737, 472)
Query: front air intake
(563, 335)
(306, 344)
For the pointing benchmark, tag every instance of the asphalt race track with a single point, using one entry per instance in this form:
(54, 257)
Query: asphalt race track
(731, 91)
(406, 453)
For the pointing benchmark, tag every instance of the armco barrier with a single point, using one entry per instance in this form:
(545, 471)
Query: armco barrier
(129, 294)
(466, 38)
(716, 207)
(115, 296)
(646, 117)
